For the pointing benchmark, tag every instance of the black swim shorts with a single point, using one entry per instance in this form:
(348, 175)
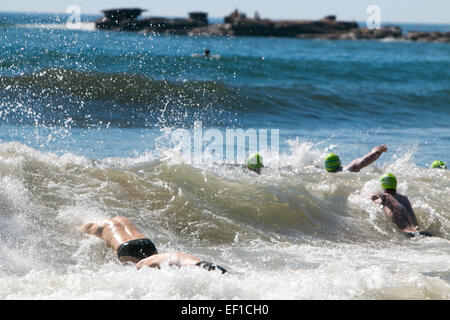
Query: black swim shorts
(138, 248)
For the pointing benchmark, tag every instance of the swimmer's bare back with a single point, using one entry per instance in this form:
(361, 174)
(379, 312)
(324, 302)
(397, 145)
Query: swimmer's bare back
(114, 231)
(120, 230)
(399, 209)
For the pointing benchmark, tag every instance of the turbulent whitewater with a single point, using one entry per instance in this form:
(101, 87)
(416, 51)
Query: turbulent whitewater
(85, 118)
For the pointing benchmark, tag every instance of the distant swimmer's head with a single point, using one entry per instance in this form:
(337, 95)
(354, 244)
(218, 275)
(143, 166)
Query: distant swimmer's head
(388, 181)
(438, 165)
(332, 162)
(207, 53)
(255, 162)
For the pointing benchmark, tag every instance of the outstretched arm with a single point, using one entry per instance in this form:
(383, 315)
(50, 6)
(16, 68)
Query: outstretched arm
(358, 164)
(178, 259)
(93, 228)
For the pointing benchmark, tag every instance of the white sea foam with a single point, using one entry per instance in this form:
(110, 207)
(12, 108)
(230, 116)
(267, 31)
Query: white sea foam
(83, 26)
(290, 234)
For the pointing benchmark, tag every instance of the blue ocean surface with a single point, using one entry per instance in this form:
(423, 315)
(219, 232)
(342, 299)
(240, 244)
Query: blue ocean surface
(356, 93)
(84, 122)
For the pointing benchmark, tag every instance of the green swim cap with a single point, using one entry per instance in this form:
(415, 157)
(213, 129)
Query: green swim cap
(438, 165)
(254, 162)
(388, 181)
(332, 162)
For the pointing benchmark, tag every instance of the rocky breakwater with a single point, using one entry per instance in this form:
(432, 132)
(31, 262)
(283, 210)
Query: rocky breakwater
(120, 20)
(238, 24)
(127, 20)
(428, 36)
(174, 26)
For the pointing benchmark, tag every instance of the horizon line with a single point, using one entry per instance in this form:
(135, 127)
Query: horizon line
(100, 14)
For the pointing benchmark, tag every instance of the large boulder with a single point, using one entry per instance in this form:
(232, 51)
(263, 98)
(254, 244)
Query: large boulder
(120, 19)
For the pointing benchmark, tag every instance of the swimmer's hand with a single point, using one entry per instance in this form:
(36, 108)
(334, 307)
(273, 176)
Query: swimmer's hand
(380, 149)
(376, 198)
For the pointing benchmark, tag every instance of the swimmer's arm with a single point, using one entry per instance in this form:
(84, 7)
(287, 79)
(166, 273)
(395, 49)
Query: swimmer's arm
(92, 228)
(383, 200)
(311, 167)
(178, 259)
(153, 261)
(358, 164)
(378, 198)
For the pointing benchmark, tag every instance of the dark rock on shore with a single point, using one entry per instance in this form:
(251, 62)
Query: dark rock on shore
(428, 36)
(120, 20)
(126, 20)
(391, 32)
(238, 24)
(174, 26)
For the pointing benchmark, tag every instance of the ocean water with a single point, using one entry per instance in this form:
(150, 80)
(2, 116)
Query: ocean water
(85, 125)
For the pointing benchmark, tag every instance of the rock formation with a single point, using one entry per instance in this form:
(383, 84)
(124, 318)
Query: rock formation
(238, 24)
(120, 20)
(428, 36)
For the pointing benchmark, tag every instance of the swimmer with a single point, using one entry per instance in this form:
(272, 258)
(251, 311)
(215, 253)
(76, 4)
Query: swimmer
(438, 165)
(397, 207)
(254, 163)
(333, 163)
(124, 238)
(206, 54)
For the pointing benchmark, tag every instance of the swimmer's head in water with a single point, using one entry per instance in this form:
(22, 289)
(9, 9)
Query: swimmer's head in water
(438, 165)
(388, 181)
(254, 162)
(332, 162)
